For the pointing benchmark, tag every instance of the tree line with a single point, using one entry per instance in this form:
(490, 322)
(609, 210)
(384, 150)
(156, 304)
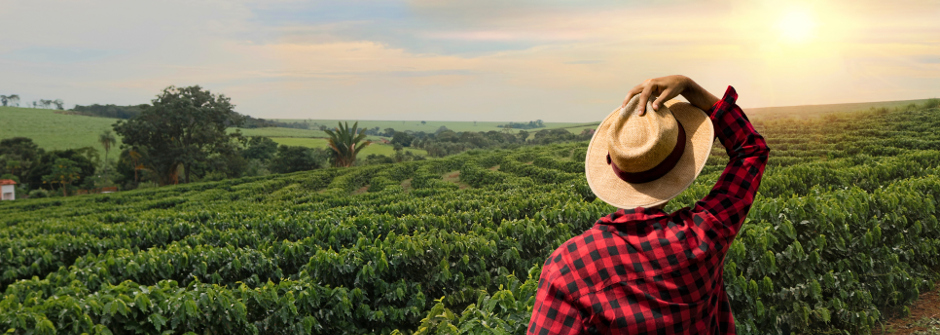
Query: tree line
(132, 111)
(522, 125)
(13, 100)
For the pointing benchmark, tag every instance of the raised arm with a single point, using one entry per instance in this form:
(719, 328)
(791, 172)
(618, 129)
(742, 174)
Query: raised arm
(731, 198)
(726, 206)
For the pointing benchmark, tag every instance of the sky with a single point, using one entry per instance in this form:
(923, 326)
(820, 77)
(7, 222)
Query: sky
(481, 60)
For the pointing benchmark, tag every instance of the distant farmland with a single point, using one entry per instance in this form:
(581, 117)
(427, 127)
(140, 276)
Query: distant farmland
(54, 130)
(57, 130)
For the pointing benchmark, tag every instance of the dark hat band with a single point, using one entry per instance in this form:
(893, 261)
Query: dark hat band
(657, 171)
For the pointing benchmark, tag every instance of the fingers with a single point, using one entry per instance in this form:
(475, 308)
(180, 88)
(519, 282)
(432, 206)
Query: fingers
(668, 93)
(644, 97)
(634, 91)
(664, 88)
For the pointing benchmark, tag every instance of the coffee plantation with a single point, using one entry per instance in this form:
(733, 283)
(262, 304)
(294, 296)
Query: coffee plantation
(844, 229)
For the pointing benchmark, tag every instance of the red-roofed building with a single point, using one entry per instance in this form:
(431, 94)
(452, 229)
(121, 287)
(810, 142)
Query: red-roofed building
(7, 189)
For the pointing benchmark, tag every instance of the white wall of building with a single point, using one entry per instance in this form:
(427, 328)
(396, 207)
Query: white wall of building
(7, 192)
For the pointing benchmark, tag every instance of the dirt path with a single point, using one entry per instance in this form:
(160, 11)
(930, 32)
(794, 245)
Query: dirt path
(924, 318)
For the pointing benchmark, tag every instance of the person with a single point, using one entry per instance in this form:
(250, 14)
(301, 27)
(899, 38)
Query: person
(641, 270)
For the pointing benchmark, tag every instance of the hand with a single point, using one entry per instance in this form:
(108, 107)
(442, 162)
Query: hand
(667, 88)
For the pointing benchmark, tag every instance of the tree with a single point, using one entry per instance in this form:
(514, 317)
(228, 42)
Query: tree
(59, 104)
(90, 153)
(345, 144)
(14, 99)
(19, 156)
(112, 111)
(296, 158)
(260, 148)
(64, 172)
(181, 129)
(399, 155)
(107, 140)
(402, 138)
(4, 99)
(128, 168)
(47, 163)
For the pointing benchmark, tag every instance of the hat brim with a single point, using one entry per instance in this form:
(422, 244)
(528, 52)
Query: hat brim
(700, 135)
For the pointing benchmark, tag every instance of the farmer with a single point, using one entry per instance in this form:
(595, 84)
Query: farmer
(641, 270)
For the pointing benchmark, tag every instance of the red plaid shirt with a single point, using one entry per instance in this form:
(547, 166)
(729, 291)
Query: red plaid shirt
(645, 271)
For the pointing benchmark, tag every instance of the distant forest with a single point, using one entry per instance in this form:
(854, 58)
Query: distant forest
(112, 111)
(129, 112)
(523, 125)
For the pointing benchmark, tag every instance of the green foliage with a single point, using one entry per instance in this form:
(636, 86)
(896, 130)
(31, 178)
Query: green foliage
(38, 193)
(182, 128)
(524, 125)
(346, 143)
(110, 111)
(107, 140)
(844, 230)
(64, 172)
(402, 138)
(19, 156)
(932, 103)
(53, 130)
(260, 148)
(292, 159)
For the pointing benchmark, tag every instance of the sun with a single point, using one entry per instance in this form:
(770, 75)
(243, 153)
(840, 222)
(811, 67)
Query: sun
(796, 26)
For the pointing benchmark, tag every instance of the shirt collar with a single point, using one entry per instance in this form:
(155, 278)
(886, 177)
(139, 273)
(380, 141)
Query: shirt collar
(639, 214)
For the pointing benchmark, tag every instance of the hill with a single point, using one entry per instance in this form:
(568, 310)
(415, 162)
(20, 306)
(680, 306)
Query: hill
(54, 129)
(843, 230)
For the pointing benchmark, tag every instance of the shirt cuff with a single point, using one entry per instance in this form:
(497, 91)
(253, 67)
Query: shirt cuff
(726, 103)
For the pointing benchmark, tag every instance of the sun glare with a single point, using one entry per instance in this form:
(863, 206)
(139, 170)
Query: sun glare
(796, 26)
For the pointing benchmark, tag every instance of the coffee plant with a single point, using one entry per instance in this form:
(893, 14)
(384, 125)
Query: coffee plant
(843, 231)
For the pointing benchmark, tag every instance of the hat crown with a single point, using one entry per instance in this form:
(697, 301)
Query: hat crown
(639, 143)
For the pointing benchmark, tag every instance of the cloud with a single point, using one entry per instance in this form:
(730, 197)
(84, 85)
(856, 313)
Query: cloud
(460, 60)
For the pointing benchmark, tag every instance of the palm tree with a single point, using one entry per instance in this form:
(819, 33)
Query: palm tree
(107, 140)
(345, 144)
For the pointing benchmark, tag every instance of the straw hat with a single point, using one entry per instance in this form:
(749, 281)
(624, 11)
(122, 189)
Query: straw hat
(639, 161)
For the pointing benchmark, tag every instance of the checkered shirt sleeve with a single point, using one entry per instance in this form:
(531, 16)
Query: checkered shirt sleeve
(729, 201)
(644, 271)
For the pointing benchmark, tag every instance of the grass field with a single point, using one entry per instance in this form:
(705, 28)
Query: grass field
(374, 148)
(54, 131)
